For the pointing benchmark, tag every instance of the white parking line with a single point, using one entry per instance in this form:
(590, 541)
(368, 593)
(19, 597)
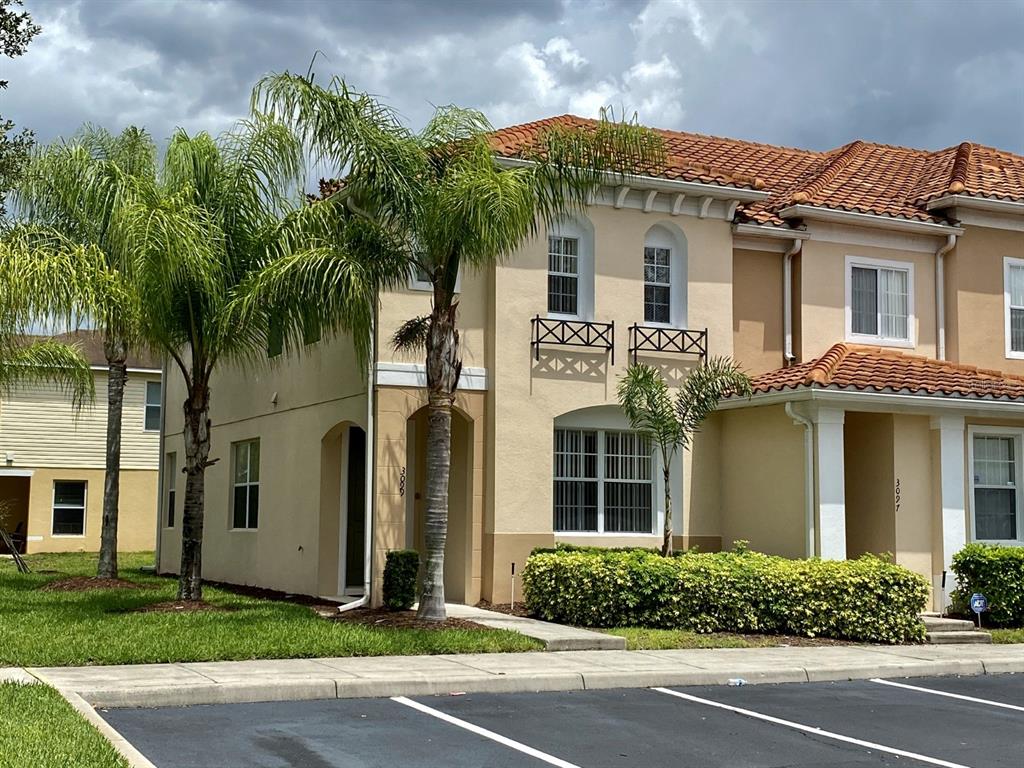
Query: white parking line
(959, 696)
(813, 730)
(511, 744)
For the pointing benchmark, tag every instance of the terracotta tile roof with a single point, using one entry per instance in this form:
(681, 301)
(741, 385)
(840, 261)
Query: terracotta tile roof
(877, 369)
(860, 177)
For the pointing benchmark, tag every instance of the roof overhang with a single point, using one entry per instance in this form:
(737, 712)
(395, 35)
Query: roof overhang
(129, 369)
(990, 204)
(815, 212)
(764, 230)
(861, 400)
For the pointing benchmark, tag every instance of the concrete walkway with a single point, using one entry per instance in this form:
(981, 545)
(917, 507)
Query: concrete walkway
(556, 637)
(150, 685)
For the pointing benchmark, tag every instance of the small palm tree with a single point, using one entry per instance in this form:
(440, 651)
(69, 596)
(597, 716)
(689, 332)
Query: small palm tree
(670, 423)
(453, 207)
(64, 258)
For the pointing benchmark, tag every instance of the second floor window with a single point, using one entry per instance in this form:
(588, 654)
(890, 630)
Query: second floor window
(563, 275)
(152, 406)
(1013, 290)
(880, 301)
(245, 502)
(171, 470)
(657, 285)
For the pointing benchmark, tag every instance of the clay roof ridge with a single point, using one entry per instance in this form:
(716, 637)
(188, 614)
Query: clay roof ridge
(961, 164)
(828, 173)
(825, 367)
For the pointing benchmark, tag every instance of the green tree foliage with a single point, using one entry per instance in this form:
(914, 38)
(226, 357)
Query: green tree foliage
(16, 31)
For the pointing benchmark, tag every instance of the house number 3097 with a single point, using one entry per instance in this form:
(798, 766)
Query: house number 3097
(898, 496)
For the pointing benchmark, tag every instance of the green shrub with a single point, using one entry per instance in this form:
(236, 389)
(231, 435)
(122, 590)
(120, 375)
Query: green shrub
(400, 569)
(998, 573)
(866, 599)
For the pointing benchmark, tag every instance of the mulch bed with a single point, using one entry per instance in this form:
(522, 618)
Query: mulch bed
(518, 610)
(86, 584)
(382, 617)
(182, 606)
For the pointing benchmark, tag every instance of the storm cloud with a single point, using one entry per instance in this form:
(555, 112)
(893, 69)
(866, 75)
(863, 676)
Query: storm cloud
(816, 75)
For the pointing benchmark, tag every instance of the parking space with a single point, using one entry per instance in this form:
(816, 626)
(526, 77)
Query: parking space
(950, 722)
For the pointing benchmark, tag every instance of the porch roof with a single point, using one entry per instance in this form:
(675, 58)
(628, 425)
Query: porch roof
(859, 368)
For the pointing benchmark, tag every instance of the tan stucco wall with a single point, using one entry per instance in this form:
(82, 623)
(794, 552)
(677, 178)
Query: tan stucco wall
(912, 468)
(757, 310)
(136, 527)
(762, 479)
(868, 468)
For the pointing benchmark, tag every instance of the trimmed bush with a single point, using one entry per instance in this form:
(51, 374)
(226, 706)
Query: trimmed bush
(400, 569)
(867, 599)
(998, 573)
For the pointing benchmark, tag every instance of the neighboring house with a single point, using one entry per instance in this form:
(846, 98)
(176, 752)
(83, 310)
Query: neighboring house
(874, 291)
(52, 459)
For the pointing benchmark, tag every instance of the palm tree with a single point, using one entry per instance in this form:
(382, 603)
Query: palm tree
(444, 196)
(209, 243)
(671, 423)
(65, 259)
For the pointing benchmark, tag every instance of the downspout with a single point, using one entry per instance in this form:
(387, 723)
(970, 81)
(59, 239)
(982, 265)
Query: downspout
(808, 475)
(371, 455)
(787, 301)
(940, 296)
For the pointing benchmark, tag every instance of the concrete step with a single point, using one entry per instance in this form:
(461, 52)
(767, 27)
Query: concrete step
(973, 637)
(937, 624)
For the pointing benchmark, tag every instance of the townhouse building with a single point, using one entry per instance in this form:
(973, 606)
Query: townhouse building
(875, 294)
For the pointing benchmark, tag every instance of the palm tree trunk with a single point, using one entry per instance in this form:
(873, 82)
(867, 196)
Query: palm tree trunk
(666, 542)
(197, 453)
(117, 374)
(444, 365)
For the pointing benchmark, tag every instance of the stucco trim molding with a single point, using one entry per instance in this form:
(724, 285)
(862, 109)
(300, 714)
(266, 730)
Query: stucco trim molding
(884, 401)
(7, 472)
(415, 375)
(814, 212)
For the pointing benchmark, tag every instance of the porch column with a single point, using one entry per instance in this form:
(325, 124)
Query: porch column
(949, 431)
(831, 496)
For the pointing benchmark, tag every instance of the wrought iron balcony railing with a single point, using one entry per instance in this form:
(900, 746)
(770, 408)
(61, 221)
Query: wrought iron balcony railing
(572, 333)
(680, 341)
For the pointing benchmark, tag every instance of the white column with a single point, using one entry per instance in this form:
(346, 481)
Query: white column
(831, 496)
(953, 515)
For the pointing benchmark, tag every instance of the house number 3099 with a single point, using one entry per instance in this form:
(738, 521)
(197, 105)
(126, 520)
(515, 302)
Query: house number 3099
(401, 482)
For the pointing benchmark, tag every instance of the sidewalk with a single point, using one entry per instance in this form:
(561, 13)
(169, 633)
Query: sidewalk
(151, 685)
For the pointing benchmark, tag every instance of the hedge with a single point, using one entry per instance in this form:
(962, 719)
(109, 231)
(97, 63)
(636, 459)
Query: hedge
(866, 599)
(401, 567)
(998, 573)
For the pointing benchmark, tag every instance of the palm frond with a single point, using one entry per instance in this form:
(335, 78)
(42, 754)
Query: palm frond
(645, 399)
(46, 361)
(705, 386)
(411, 336)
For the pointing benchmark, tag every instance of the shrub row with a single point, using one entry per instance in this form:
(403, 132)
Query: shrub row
(998, 573)
(401, 567)
(867, 599)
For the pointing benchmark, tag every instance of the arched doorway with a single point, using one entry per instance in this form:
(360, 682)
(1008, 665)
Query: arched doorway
(342, 512)
(458, 553)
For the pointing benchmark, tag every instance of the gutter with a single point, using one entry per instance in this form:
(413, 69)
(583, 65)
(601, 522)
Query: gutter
(993, 205)
(940, 296)
(867, 220)
(875, 400)
(809, 516)
(788, 358)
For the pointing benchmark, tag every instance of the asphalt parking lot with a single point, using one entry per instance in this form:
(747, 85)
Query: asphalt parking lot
(952, 722)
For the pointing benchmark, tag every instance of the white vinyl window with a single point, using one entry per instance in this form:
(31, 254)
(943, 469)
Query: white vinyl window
(657, 285)
(996, 486)
(1013, 296)
(563, 275)
(170, 482)
(880, 301)
(152, 406)
(245, 502)
(68, 508)
(603, 482)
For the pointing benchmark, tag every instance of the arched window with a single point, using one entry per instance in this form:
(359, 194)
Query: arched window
(571, 269)
(665, 276)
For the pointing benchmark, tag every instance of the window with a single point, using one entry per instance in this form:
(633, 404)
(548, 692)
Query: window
(245, 504)
(1013, 294)
(69, 508)
(657, 285)
(152, 406)
(170, 481)
(420, 280)
(880, 301)
(563, 275)
(603, 482)
(996, 489)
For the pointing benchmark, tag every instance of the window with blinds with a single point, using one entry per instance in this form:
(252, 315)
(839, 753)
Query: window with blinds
(995, 488)
(880, 301)
(1014, 292)
(657, 285)
(563, 275)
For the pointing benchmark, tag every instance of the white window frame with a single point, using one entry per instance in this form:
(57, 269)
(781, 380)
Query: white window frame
(1008, 262)
(663, 236)
(85, 509)
(602, 449)
(577, 276)
(249, 484)
(581, 230)
(170, 489)
(866, 338)
(158, 405)
(1018, 437)
(415, 284)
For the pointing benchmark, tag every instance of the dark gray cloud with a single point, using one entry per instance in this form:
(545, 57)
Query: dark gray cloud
(927, 74)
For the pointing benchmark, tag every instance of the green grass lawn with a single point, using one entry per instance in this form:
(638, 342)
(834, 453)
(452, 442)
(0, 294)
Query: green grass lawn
(39, 729)
(98, 627)
(1004, 636)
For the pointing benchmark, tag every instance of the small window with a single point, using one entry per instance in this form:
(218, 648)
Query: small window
(245, 506)
(657, 285)
(170, 482)
(1013, 292)
(996, 488)
(69, 508)
(563, 275)
(879, 301)
(152, 406)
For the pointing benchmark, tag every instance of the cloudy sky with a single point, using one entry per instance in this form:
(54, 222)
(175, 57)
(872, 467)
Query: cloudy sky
(810, 74)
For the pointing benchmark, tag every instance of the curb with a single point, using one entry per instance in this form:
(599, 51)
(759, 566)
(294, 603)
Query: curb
(124, 748)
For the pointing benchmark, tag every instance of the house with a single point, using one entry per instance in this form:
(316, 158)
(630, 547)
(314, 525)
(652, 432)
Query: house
(52, 459)
(876, 294)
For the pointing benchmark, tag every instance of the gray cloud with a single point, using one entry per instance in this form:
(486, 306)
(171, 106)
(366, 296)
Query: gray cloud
(926, 74)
